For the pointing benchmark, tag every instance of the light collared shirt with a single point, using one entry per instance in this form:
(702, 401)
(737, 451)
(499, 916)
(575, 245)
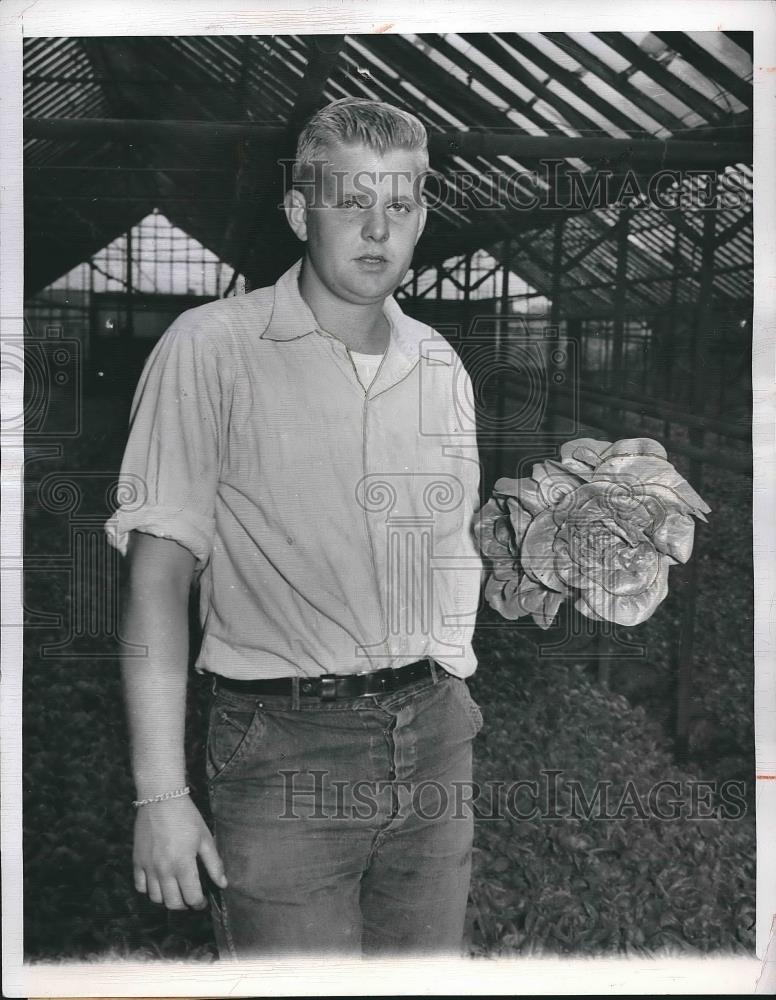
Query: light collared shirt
(331, 524)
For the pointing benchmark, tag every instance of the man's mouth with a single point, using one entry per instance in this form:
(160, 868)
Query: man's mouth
(373, 258)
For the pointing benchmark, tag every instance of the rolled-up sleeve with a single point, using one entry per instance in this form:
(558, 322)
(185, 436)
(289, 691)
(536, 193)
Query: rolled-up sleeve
(171, 465)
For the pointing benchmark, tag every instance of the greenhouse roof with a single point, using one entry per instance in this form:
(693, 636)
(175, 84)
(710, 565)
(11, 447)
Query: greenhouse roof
(587, 142)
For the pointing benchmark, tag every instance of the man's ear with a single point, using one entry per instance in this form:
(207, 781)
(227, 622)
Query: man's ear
(296, 212)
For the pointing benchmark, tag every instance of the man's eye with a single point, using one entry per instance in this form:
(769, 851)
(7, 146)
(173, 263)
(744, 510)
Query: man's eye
(350, 203)
(400, 207)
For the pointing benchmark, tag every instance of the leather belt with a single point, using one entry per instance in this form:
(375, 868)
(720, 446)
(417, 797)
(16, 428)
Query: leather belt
(329, 687)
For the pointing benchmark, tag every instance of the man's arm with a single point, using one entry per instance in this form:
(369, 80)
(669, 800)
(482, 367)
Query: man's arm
(169, 835)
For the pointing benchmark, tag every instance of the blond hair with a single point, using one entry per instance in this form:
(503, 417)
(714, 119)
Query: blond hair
(376, 124)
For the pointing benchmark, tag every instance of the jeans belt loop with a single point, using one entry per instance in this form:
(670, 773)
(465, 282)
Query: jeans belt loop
(328, 687)
(295, 701)
(434, 670)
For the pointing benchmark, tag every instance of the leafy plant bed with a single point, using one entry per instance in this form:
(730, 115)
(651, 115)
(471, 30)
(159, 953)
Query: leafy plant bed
(612, 878)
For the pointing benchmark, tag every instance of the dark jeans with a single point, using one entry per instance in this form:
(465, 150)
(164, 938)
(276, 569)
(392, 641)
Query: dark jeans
(343, 825)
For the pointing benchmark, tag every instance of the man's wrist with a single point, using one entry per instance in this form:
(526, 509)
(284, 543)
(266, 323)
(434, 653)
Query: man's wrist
(155, 772)
(175, 793)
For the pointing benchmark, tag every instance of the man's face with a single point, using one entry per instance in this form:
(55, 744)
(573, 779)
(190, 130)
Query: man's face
(362, 221)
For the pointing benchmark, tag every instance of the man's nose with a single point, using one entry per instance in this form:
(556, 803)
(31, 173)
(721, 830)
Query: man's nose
(375, 224)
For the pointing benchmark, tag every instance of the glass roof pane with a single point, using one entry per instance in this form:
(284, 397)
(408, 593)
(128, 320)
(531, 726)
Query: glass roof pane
(725, 51)
(660, 95)
(460, 74)
(600, 50)
(493, 69)
(641, 120)
(695, 79)
(579, 102)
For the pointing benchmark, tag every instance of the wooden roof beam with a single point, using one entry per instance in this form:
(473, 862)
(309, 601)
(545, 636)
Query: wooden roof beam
(616, 81)
(706, 63)
(437, 83)
(607, 234)
(439, 246)
(490, 48)
(325, 53)
(648, 65)
(248, 233)
(494, 141)
(743, 39)
(726, 235)
(570, 80)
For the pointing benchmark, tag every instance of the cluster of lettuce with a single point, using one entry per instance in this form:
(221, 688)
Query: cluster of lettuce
(600, 527)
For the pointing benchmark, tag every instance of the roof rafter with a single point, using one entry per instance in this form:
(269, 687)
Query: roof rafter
(618, 82)
(676, 87)
(712, 68)
(571, 80)
(575, 118)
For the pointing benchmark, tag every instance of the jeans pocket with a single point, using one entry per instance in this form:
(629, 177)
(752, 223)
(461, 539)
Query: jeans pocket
(473, 710)
(231, 733)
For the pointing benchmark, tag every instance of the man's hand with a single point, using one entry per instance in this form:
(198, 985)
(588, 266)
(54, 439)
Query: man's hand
(169, 836)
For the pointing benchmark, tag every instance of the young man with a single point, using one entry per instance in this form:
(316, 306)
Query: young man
(307, 453)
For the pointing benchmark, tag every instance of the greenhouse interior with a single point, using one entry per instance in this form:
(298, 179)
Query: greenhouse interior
(589, 254)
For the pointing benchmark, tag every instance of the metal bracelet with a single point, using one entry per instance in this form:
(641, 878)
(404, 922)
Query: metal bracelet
(177, 794)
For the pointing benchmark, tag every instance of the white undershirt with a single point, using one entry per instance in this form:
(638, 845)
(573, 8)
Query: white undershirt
(366, 366)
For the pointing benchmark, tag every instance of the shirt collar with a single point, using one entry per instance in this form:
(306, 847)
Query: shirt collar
(292, 318)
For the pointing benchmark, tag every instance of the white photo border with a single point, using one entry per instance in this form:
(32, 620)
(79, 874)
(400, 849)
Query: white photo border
(565, 976)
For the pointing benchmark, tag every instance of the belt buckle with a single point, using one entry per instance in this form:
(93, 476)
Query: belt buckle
(328, 687)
